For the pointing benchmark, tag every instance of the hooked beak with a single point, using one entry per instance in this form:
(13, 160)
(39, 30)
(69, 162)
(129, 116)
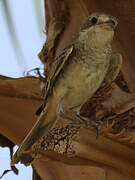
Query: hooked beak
(111, 23)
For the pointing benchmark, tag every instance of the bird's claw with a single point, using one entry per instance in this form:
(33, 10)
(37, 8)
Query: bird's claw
(88, 122)
(75, 118)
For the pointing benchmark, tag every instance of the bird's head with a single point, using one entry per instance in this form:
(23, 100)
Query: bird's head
(98, 29)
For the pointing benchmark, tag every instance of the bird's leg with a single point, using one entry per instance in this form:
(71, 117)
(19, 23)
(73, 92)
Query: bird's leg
(83, 120)
(63, 114)
(69, 114)
(88, 121)
(76, 118)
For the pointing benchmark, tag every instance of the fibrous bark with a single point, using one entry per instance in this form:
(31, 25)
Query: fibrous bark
(113, 150)
(120, 106)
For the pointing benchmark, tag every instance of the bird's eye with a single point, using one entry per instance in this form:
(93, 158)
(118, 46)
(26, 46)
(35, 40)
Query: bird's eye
(94, 20)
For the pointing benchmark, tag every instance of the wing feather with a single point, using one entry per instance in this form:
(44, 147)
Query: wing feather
(54, 72)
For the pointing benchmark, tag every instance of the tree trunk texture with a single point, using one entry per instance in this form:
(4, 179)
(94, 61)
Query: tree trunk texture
(111, 155)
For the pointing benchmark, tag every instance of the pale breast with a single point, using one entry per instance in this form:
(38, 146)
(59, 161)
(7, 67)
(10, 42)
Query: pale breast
(80, 80)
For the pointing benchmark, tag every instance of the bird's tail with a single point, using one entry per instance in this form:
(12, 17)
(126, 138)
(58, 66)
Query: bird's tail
(44, 122)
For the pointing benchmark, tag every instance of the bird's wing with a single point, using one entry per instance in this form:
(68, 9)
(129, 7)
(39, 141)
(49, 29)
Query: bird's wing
(57, 67)
(53, 73)
(42, 125)
(113, 70)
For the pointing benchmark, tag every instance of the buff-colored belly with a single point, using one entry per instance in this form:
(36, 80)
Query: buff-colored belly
(78, 83)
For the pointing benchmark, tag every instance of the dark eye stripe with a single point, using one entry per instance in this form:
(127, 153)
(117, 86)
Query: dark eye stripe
(87, 24)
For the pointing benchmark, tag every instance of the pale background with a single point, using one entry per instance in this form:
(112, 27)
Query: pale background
(21, 39)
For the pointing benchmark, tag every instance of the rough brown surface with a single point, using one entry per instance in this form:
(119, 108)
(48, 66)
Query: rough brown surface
(20, 111)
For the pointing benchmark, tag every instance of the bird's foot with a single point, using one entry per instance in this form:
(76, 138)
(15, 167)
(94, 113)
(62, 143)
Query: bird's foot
(88, 122)
(67, 116)
(75, 118)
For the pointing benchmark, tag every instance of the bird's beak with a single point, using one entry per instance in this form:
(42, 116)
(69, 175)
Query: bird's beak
(111, 23)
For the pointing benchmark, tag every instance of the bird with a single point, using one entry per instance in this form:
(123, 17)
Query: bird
(75, 75)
